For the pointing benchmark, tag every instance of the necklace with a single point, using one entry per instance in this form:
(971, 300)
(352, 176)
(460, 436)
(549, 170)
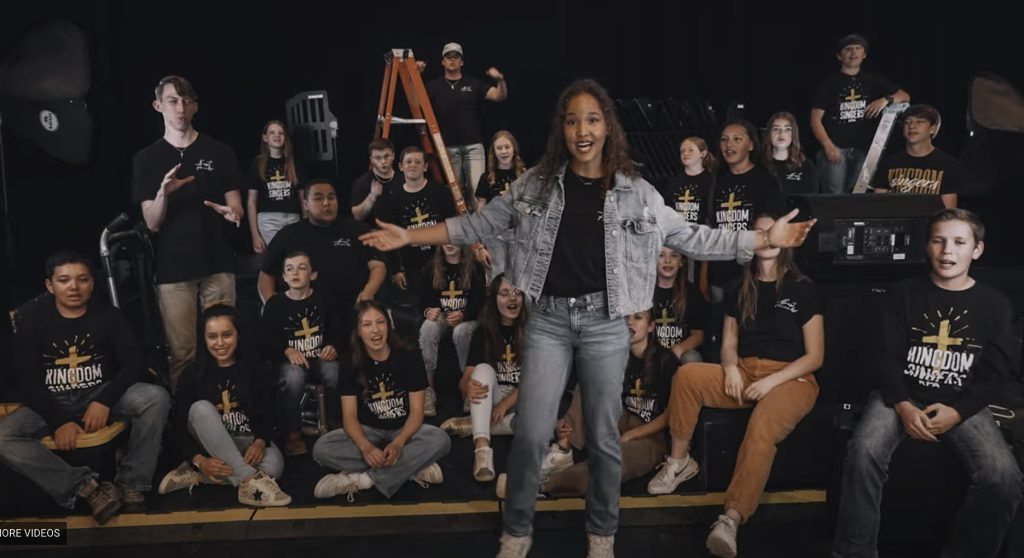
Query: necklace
(582, 181)
(452, 84)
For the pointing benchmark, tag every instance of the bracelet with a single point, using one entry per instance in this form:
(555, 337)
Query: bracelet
(768, 240)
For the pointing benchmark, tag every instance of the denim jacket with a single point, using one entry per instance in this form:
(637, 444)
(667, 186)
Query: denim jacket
(636, 225)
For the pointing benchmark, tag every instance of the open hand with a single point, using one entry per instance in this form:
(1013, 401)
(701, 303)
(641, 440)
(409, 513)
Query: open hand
(388, 237)
(784, 234)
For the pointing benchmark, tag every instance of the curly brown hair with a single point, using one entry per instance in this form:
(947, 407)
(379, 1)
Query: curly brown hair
(615, 154)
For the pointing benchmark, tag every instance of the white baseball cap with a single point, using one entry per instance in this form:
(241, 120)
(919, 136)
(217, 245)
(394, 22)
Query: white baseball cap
(451, 47)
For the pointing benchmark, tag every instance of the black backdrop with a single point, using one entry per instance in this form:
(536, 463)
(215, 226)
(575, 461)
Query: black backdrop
(247, 59)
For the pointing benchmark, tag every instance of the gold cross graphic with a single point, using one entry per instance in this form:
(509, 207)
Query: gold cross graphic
(664, 319)
(306, 331)
(277, 176)
(686, 197)
(853, 96)
(508, 356)
(732, 203)
(73, 359)
(420, 217)
(942, 340)
(451, 292)
(383, 393)
(226, 404)
(637, 391)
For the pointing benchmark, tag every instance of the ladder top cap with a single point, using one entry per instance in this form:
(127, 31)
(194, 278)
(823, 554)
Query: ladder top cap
(401, 52)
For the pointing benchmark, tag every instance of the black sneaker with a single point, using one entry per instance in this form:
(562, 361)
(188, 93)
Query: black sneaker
(132, 501)
(105, 502)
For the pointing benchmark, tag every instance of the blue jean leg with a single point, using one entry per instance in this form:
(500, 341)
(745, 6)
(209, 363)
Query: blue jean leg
(145, 407)
(292, 381)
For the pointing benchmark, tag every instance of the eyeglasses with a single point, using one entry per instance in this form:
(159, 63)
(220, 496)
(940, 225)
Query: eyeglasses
(509, 292)
(382, 158)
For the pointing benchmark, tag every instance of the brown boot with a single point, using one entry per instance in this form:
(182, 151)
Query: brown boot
(295, 445)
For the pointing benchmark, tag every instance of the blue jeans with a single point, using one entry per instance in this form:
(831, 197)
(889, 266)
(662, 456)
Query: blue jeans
(559, 331)
(988, 508)
(839, 177)
(143, 406)
(468, 162)
(207, 427)
(293, 381)
(337, 451)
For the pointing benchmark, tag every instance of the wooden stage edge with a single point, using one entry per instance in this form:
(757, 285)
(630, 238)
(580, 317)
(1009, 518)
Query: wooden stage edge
(332, 521)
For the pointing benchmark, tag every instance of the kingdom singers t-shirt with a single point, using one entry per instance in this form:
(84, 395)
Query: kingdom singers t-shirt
(385, 403)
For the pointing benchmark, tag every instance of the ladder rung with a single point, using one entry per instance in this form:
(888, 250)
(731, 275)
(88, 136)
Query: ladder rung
(400, 120)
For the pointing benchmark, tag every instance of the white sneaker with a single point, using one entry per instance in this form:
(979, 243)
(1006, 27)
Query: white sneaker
(722, 539)
(429, 402)
(458, 426)
(262, 491)
(555, 461)
(599, 546)
(337, 483)
(483, 464)
(671, 474)
(183, 476)
(514, 547)
(430, 474)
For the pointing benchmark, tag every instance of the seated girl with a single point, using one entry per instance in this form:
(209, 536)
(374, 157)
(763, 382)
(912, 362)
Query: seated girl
(680, 312)
(384, 442)
(490, 382)
(772, 342)
(223, 419)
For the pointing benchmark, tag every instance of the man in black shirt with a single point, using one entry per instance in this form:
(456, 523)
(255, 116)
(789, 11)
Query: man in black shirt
(188, 185)
(922, 168)
(841, 119)
(949, 348)
(348, 270)
(79, 366)
(456, 100)
(376, 182)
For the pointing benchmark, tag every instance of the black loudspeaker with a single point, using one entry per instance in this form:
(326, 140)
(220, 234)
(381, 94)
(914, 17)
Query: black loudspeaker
(863, 235)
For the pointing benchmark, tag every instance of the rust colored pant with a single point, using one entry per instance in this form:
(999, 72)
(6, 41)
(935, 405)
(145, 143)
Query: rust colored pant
(774, 417)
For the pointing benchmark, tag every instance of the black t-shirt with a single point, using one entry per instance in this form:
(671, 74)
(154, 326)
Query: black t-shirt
(384, 403)
(453, 297)
(241, 392)
(193, 241)
(776, 332)
(951, 347)
(647, 397)
(737, 201)
(506, 369)
(503, 178)
(338, 257)
(58, 355)
(578, 262)
(273, 189)
(935, 173)
(361, 189)
(413, 210)
(306, 325)
(670, 328)
(845, 100)
(688, 195)
(457, 107)
(801, 180)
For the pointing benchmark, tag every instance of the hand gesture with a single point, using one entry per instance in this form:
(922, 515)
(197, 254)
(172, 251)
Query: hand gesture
(295, 357)
(373, 456)
(432, 314)
(757, 390)
(95, 416)
(454, 318)
(483, 256)
(944, 418)
(225, 211)
(399, 280)
(391, 453)
(388, 237)
(328, 353)
(65, 438)
(493, 73)
(258, 246)
(214, 469)
(734, 384)
(475, 392)
(876, 107)
(498, 412)
(915, 421)
(376, 188)
(254, 454)
(784, 234)
(170, 183)
(832, 153)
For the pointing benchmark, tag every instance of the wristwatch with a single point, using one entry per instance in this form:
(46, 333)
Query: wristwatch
(889, 99)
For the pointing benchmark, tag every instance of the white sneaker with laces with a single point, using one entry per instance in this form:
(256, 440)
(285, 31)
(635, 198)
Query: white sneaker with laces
(429, 402)
(262, 491)
(483, 464)
(183, 476)
(555, 461)
(722, 539)
(672, 473)
(514, 547)
(337, 483)
(430, 474)
(599, 546)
